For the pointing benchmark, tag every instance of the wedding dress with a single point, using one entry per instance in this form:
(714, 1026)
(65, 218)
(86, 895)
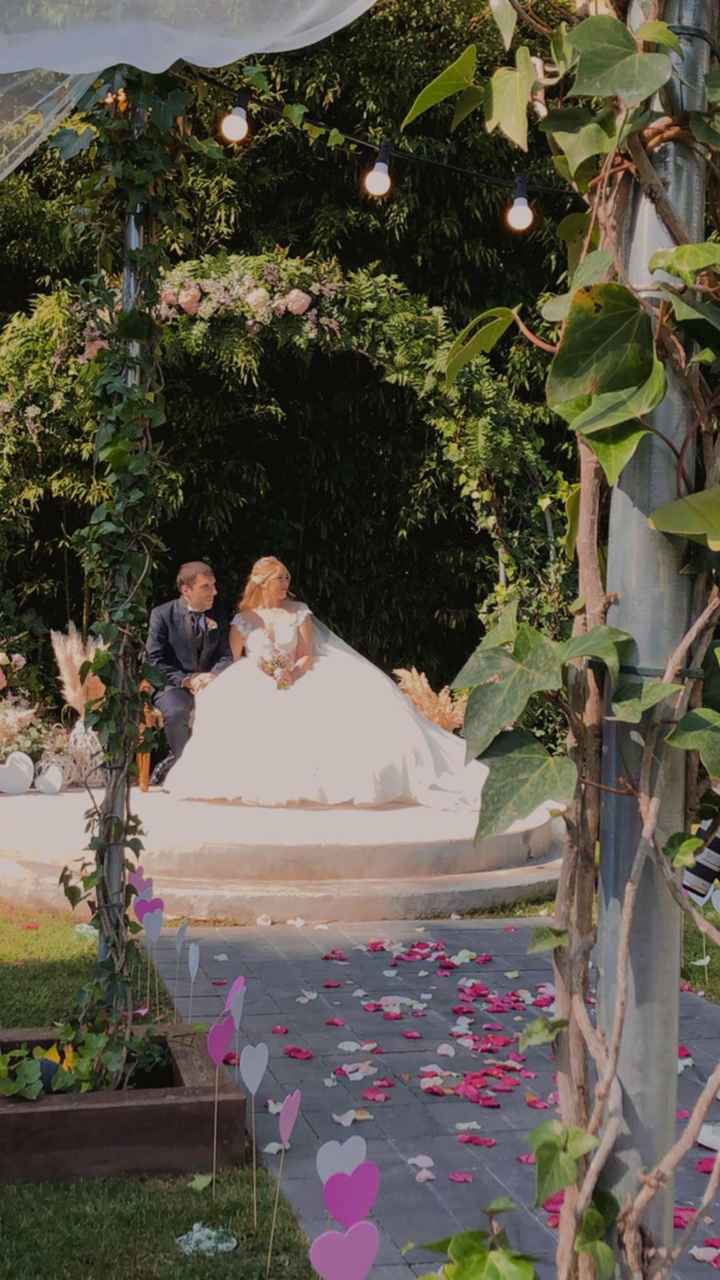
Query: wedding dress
(343, 733)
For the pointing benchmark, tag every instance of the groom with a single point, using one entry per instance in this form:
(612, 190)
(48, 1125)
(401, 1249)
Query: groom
(189, 644)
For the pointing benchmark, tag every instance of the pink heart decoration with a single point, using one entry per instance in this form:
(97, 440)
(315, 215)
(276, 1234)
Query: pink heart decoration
(288, 1115)
(349, 1197)
(220, 1037)
(346, 1257)
(141, 906)
(238, 985)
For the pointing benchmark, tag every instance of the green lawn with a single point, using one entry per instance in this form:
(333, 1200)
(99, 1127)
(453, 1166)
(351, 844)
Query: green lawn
(125, 1228)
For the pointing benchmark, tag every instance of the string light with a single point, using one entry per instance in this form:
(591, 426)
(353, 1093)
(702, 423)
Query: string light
(520, 216)
(377, 181)
(235, 126)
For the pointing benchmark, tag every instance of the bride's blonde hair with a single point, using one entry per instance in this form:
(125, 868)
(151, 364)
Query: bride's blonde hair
(262, 570)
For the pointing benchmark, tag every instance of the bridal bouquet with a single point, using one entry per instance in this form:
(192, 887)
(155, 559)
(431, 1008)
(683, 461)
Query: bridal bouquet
(278, 666)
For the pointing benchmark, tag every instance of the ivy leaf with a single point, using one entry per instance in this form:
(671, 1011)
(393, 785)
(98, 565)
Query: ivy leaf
(502, 1264)
(610, 64)
(593, 268)
(458, 76)
(614, 448)
(699, 731)
(554, 1170)
(508, 96)
(603, 1257)
(601, 642)
(572, 230)
(608, 345)
(503, 683)
(504, 631)
(656, 32)
(697, 516)
(563, 54)
(466, 1245)
(615, 407)
(630, 708)
(701, 129)
(522, 776)
(700, 320)
(686, 260)
(681, 849)
(578, 1142)
(470, 99)
(540, 1031)
(295, 112)
(503, 1204)
(200, 1182)
(596, 138)
(478, 337)
(505, 19)
(72, 142)
(547, 939)
(335, 138)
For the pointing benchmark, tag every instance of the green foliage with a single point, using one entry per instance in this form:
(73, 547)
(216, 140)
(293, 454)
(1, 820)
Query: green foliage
(681, 849)
(632, 698)
(540, 1031)
(610, 63)
(546, 938)
(699, 731)
(607, 346)
(521, 777)
(557, 1149)
(458, 76)
(697, 516)
(481, 1255)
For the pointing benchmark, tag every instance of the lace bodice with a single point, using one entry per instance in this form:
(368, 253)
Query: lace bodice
(265, 629)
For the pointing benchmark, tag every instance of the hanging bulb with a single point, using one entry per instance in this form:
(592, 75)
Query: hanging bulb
(520, 216)
(378, 181)
(235, 126)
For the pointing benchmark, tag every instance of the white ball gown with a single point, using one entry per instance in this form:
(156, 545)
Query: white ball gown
(342, 734)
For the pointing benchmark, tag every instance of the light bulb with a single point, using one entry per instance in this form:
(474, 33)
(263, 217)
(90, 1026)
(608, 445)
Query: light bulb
(234, 127)
(377, 181)
(520, 216)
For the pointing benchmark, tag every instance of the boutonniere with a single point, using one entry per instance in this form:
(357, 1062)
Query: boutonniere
(211, 624)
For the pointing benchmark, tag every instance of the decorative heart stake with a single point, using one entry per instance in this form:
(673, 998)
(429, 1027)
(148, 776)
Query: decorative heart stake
(218, 1042)
(193, 966)
(288, 1115)
(179, 944)
(235, 1002)
(348, 1256)
(50, 781)
(349, 1197)
(253, 1065)
(142, 906)
(286, 1123)
(340, 1157)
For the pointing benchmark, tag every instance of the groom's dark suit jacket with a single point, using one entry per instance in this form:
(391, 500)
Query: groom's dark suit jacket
(174, 650)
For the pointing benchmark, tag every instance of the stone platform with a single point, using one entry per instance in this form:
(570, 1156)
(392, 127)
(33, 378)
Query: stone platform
(234, 863)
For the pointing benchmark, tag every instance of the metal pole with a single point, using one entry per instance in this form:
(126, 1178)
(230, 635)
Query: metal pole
(654, 606)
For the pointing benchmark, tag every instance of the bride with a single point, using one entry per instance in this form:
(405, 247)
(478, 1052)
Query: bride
(301, 718)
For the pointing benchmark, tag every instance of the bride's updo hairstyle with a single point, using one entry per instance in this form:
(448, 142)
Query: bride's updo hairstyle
(263, 569)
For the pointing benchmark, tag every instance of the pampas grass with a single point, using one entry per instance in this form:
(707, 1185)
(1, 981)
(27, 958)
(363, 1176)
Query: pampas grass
(71, 652)
(441, 708)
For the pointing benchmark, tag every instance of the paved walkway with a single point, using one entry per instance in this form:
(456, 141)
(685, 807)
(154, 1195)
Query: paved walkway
(291, 984)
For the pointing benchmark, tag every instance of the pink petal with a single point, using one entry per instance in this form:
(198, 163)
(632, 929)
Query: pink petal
(458, 1176)
(475, 1140)
(294, 1051)
(392, 1016)
(683, 1051)
(335, 954)
(682, 1114)
(219, 982)
(412, 1035)
(334, 1022)
(527, 1157)
(375, 1095)
(330, 985)
(279, 1031)
(706, 1165)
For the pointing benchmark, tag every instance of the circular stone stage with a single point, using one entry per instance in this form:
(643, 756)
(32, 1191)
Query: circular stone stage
(235, 863)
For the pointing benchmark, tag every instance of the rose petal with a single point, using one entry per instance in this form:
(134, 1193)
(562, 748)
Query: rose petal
(459, 1176)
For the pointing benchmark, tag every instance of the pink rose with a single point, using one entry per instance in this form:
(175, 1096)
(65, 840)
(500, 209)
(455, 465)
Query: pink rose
(298, 302)
(169, 296)
(258, 301)
(18, 661)
(189, 298)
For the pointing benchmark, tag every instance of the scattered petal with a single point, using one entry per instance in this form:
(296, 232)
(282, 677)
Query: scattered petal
(411, 1035)
(474, 1140)
(221, 957)
(422, 1162)
(280, 1030)
(445, 1051)
(345, 1119)
(294, 1051)
(375, 1095)
(425, 1175)
(334, 1022)
(459, 1176)
(272, 1148)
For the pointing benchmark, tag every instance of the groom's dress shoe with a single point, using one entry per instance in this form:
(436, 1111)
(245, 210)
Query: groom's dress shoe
(161, 771)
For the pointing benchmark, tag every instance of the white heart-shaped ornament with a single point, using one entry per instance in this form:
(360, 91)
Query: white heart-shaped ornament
(50, 781)
(253, 1065)
(15, 778)
(152, 924)
(340, 1157)
(193, 960)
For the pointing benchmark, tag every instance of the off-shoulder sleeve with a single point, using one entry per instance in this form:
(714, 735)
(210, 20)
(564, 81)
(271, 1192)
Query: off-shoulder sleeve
(242, 623)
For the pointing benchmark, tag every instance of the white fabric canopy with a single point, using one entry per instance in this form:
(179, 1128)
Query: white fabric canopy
(52, 50)
(84, 36)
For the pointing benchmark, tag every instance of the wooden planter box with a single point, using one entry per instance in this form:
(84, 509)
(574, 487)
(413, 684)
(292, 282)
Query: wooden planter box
(100, 1135)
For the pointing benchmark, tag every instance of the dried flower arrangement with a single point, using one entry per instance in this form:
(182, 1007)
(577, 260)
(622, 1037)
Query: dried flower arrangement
(442, 708)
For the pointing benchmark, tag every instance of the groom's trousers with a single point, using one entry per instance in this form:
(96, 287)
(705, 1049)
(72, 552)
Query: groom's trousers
(176, 706)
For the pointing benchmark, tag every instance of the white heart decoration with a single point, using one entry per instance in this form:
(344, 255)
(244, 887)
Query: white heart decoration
(50, 781)
(152, 924)
(14, 777)
(253, 1065)
(340, 1157)
(193, 960)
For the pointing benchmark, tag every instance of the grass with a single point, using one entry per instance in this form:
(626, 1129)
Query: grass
(123, 1228)
(703, 978)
